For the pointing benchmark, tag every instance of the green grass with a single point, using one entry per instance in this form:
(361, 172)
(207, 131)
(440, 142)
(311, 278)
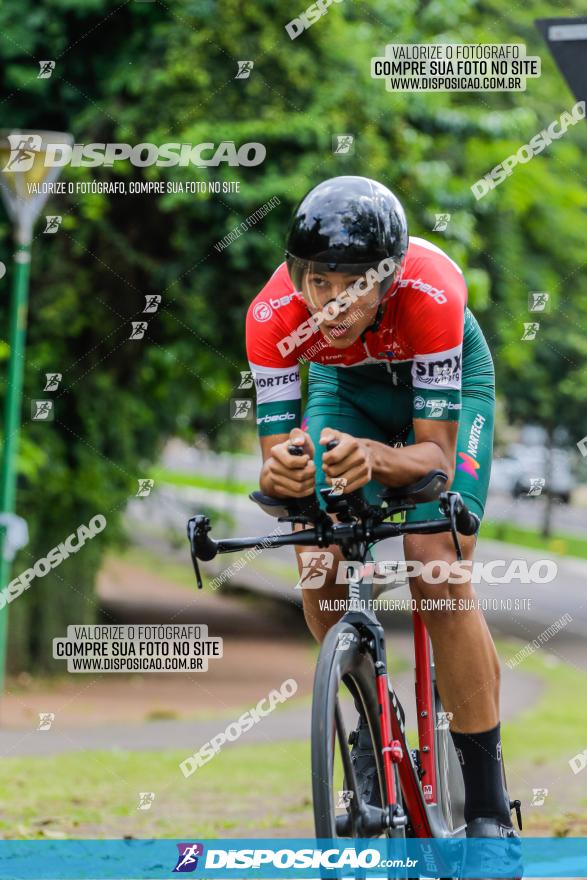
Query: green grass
(179, 573)
(555, 728)
(559, 542)
(95, 794)
(182, 574)
(201, 481)
(246, 790)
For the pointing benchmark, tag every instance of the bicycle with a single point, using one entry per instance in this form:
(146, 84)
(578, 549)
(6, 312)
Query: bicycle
(420, 790)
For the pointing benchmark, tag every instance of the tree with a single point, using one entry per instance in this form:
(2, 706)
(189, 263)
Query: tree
(159, 73)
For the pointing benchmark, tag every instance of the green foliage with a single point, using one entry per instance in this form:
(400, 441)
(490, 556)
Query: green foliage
(157, 72)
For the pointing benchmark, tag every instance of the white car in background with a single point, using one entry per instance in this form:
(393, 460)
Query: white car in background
(523, 465)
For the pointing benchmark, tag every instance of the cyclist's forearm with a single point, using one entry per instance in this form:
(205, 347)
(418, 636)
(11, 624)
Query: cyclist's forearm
(397, 467)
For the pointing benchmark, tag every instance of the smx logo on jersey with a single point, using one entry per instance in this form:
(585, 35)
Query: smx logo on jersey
(468, 465)
(441, 372)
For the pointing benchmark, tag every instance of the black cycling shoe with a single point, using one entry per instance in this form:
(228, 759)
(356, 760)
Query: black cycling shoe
(490, 827)
(482, 861)
(363, 761)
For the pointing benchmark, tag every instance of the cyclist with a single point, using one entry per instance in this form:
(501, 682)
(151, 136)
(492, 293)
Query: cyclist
(401, 376)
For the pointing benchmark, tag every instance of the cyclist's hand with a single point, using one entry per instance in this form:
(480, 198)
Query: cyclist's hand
(350, 459)
(290, 476)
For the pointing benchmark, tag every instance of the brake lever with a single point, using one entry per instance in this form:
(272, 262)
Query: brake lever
(191, 530)
(449, 501)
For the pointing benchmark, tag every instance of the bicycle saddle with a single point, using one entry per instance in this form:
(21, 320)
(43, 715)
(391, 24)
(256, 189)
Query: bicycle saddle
(288, 508)
(427, 488)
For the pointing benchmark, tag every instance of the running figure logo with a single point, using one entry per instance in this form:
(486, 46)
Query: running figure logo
(23, 151)
(343, 643)
(53, 380)
(247, 380)
(538, 300)
(530, 331)
(241, 408)
(138, 329)
(144, 489)
(539, 795)
(146, 799)
(536, 486)
(315, 564)
(441, 222)
(53, 222)
(46, 68)
(187, 860)
(244, 69)
(42, 410)
(343, 143)
(46, 719)
(338, 486)
(152, 302)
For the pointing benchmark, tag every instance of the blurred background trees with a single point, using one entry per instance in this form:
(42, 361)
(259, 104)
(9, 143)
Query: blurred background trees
(157, 73)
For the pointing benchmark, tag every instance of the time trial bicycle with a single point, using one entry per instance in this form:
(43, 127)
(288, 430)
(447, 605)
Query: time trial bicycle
(420, 789)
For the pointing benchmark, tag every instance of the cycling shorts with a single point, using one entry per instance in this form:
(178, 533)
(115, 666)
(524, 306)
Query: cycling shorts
(375, 401)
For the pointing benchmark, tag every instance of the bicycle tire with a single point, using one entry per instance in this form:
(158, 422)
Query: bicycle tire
(449, 776)
(353, 668)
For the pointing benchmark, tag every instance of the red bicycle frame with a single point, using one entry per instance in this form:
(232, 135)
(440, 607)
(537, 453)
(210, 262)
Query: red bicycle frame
(425, 708)
(394, 743)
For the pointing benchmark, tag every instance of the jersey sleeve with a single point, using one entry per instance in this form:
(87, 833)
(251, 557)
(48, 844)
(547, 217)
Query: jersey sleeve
(276, 374)
(436, 322)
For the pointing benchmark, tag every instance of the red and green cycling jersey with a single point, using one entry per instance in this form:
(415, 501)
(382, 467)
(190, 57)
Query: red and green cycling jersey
(426, 339)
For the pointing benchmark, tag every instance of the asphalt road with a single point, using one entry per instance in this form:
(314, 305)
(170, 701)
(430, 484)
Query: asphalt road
(520, 692)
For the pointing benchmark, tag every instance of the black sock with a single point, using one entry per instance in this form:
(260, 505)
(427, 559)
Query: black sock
(480, 758)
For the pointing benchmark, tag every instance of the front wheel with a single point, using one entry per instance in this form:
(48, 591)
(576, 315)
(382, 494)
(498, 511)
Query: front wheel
(344, 672)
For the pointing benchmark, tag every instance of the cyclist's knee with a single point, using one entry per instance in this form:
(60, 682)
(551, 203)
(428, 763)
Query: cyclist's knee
(438, 581)
(317, 567)
(322, 597)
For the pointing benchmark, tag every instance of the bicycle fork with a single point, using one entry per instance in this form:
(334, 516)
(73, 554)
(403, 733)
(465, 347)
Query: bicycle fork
(393, 752)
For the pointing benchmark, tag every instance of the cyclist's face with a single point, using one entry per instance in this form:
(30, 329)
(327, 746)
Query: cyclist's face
(346, 310)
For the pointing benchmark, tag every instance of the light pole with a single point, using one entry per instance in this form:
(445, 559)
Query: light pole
(23, 171)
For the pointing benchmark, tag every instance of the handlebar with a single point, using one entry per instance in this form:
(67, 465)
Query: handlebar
(467, 523)
(324, 532)
(202, 546)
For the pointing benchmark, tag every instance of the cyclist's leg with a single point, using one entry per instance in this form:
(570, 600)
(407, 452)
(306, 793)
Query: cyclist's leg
(467, 667)
(470, 690)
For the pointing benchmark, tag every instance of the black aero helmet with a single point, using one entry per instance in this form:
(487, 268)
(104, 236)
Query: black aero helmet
(347, 224)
